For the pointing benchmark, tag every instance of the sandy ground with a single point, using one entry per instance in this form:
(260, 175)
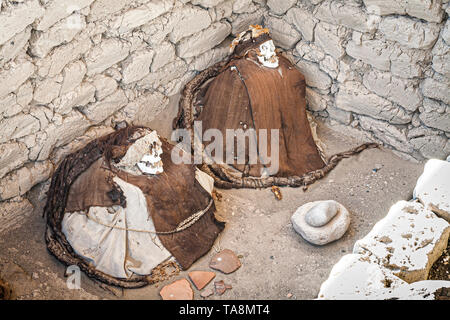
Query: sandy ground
(276, 262)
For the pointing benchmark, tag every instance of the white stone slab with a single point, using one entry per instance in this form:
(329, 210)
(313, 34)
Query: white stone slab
(407, 241)
(433, 187)
(357, 276)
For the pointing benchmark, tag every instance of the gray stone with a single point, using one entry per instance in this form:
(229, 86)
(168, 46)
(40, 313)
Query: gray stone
(19, 182)
(60, 56)
(12, 48)
(316, 101)
(73, 74)
(401, 91)
(164, 54)
(309, 51)
(137, 66)
(104, 86)
(429, 10)
(12, 79)
(320, 214)
(303, 20)
(42, 42)
(353, 96)
(204, 40)
(101, 9)
(107, 54)
(188, 21)
(331, 231)
(313, 75)
(46, 90)
(280, 7)
(283, 34)
(436, 115)
(347, 13)
(134, 18)
(12, 156)
(387, 133)
(441, 58)
(432, 146)
(57, 10)
(15, 19)
(207, 3)
(331, 39)
(18, 126)
(377, 53)
(410, 33)
(436, 90)
(242, 22)
(99, 111)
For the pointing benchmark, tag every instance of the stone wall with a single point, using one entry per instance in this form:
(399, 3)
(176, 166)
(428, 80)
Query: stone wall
(71, 69)
(381, 67)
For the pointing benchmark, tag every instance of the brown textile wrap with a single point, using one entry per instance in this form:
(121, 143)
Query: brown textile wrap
(261, 98)
(230, 101)
(171, 197)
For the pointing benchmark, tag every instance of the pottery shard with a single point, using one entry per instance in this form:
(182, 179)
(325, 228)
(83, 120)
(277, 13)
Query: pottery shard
(178, 290)
(201, 278)
(220, 287)
(225, 261)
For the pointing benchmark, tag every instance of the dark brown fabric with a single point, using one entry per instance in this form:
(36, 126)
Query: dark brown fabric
(171, 197)
(91, 189)
(264, 98)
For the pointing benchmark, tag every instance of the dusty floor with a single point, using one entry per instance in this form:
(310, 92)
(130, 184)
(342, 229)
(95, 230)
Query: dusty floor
(276, 262)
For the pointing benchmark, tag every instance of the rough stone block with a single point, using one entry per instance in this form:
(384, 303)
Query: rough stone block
(57, 10)
(280, 7)
(204, 40)
(353, 96)
(401, 91)
(303, 20)
(434, 89)
(410, 33)
(347, 13)
(137, 66)
(19, 182)
(283, 34)
(429, 10)
(16, 18)
(313, 75)
(436, 115)
(12, 78)
(106, 55)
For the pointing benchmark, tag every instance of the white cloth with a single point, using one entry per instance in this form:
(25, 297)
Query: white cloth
(117, 252)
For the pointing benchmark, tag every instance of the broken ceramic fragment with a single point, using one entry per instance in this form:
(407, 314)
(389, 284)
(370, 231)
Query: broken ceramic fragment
(433, 187)
(225, 261)
(321, 222)
(220, 287)
(206, 293)
(201, 278)
(178, 290)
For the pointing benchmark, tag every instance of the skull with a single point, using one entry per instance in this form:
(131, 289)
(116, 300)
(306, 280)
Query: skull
(267, 55)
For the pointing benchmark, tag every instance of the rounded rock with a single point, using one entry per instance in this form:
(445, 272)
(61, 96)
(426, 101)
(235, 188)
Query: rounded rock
(331, 231)
(320, 214)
